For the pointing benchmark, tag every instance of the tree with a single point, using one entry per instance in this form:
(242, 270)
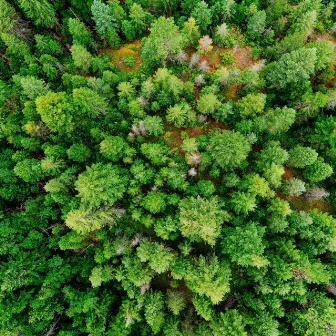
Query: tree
(201, 218)
(318, 171)
(89, 104)
(154, 311)
(138, 17)
(104, 18)
(230, 323)
(301, 156)
(159, 258)
(164, 40)
(176, 301)
(113, 148)
(276, 121)
(101, 184)
(315, 194)
(154, 125)
(154, 202)
(209, 277)
(223, 10)
(205, 44)
(29, 170)
(293, 67)
(180, 115)
(128, 30)
(305, 23)
(256, 185)
(33, 87)
(81, 57)
(84, 221)
(294, 187)
(40, 11)
(256, 25)
(242, 202)
(252, 104)
(80, 34)
(208, 103)
(56, 111)
(126, 90)
(78, 152)
(190, 32)
(229, 149)
(202, 14)
(325, 54)
(47, 45)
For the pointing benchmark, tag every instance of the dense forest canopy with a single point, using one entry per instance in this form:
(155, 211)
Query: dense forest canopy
(167, 167)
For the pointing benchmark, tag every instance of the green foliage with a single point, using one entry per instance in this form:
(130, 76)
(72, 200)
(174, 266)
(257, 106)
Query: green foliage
(84, 221)
(301, 156)
(158, 257)
(202, 15)
(78, 153)
(129, 60)
(80, 34)
(252, 105)
(245, 245)
(209, 277)
(229, 149)
(201, 219)
(230, 323)
(164, 40)
(101, 184)
(40, 11)
(113, 147)
(154, 202)
(294, 187)
(293, 67)
(208, 103)
(180, 115)
(318, 171)
(227, 57)
(256, 25)
(81, 57)
(165, 193)
(56, 111)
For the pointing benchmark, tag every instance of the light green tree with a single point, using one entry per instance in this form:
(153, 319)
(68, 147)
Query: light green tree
(101, 184)
(201, 218)
(164, 40)
(293, 67)
(209, 277)
(229, 149)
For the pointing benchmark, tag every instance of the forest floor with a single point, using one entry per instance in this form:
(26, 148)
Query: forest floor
(116, 56)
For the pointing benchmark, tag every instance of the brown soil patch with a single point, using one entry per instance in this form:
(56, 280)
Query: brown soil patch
(242, 56)
(231, 92)
(288, 173)
(300, 203)
(116, 55)
(174, 139)
(326, 36)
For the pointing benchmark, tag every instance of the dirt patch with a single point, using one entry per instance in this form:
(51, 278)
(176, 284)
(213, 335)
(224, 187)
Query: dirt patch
(300, 203)
(288, 173)
(326, 36)
(173, 135)
(116, 56)
(231, 92)
(242, 57)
